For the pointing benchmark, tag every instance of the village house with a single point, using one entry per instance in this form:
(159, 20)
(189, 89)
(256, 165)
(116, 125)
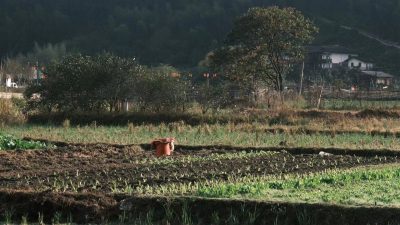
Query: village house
(337, 57)
(33, 75)
(355, 63)
(328, 57)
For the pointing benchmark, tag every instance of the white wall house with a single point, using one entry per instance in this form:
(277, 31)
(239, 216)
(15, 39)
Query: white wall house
(335, 56)
(329, 56)
(354, 63)
(332, 56)
(8, 81)
(333, 59)
(338, 58)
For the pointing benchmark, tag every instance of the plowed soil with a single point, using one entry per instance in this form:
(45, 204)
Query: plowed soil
(101, 168)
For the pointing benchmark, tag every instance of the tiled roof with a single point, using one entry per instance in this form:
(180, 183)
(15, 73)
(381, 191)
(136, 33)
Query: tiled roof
(357, 58)
(329, 49)
(378, 74)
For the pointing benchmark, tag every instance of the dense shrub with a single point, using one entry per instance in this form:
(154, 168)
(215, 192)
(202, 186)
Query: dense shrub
(105, 82)
(86, 83)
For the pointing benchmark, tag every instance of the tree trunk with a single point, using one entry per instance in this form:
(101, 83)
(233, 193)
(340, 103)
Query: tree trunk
(320, 97)
(280, 88)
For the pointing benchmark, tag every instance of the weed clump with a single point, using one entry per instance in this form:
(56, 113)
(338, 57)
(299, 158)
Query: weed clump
(66, 124)
(283, 118)
(10, 114)
(131, 127)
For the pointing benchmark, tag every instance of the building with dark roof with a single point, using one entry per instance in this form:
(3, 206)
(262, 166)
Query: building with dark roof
(338, 62)
(370, 80)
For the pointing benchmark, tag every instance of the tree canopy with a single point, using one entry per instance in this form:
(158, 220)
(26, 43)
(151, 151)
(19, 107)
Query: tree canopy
(87, 83)
(263, 45)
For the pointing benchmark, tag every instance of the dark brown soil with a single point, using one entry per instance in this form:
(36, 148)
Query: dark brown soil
(104, 168)
(378, 113)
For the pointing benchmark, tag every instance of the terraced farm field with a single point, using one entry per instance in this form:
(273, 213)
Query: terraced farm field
(111, 168)
(335, 168)
(85, 183)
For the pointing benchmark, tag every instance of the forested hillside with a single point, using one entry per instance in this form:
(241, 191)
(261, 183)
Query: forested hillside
(181, 32)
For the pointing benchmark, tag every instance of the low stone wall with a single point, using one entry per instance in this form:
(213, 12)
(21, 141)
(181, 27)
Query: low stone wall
(9, 95)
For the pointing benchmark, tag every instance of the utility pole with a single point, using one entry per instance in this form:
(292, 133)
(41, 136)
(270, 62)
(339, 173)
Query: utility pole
(37, 72)
(207, 76)
(1, 71)
(301, 79)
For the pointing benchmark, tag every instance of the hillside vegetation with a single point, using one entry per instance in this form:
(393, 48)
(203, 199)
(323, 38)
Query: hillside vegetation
(181, 32)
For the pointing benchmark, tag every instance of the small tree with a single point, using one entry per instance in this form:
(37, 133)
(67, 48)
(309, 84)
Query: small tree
(66, 87)
(211, 93)
(117, 79)
(163, 88)
(262, 46)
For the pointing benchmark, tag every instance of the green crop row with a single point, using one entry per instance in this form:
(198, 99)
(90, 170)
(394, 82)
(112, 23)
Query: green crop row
(362, 186)
(204, 158)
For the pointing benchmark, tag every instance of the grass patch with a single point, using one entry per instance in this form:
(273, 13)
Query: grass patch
(229, 134)
(345, 104)
(364, 186)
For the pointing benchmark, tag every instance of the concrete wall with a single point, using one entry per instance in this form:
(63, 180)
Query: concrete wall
(338, 58)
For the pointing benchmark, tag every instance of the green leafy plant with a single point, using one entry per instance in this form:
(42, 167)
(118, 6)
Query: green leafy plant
(8, 142)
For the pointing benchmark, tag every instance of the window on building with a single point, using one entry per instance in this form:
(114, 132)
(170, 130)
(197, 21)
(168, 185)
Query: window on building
(380, 81)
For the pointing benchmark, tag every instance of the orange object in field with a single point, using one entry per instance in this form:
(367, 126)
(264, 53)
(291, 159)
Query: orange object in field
(163, 146)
